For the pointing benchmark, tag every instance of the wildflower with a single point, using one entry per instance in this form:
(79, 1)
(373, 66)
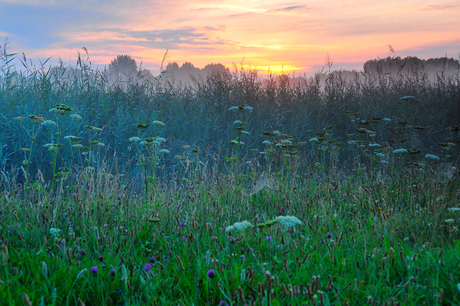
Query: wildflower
(380, 155)
(277, 133)
(400, 151)
(249, 108)
(48, 123)
(384, 162)
(134, 139)
(453, 209)
(166, 260)
(288, 220)
(55, 231)
(147, 267)
(164, 151)
(329, 235)
(233, 108)
(314, 139)
(75, 117)
(182, 224)
(94, 270)
(386, 119)
(268, 238)
(152, 259)
(78, 146)
(158, 123)
(431, 156)
(112, 272)
(266, 142)
(233, 142)
(211, 274)
(240, 226)
(82, 252)
(160, 139)
(242, 257)
(237, 122)
(373, 145)
(449, 220)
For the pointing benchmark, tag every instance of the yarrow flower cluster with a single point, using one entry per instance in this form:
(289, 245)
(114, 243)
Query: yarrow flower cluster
(400, 151)
(240, 226)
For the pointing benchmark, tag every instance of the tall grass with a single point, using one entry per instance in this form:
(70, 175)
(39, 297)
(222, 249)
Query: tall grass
(343, 193)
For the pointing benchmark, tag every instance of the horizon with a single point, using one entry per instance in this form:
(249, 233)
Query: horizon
(281, 36)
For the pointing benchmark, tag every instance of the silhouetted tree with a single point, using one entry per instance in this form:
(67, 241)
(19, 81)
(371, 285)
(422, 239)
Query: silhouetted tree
(123, 64)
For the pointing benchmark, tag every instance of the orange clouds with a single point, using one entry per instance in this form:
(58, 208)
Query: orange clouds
(288, 36)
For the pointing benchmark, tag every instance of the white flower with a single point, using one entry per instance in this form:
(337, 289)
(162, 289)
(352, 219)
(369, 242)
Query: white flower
(233, 108)
(49, 123)
(277, 133)
(266, 142)
(387, 119)
(384, 162)
(54, 231)
(449, 220)
(314, 139)
(288, 220)
(380, 155)
(249, 108)
(160, 139)
(452, 209)
(431, 156)
(285, 141)
(158, 123)
(237, 122)
(164, 151)
(400, 151)
(134, 139)
(372, 145)
(245, 132)
(240, 226)
(75, 117)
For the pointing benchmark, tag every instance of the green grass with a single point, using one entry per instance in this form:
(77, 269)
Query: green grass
(378, 227)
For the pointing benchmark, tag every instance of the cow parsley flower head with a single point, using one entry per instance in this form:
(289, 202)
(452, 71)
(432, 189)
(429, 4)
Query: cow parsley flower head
(239, 226)
(288, 220)
(314, 139)
(400, 151)
(431, 156)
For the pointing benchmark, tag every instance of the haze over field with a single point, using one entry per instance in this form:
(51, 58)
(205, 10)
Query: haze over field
(277, 35)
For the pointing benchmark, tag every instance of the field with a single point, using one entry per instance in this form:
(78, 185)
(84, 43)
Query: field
(235, 190)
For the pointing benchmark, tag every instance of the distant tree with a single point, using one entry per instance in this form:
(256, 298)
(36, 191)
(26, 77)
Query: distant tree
(123, 64)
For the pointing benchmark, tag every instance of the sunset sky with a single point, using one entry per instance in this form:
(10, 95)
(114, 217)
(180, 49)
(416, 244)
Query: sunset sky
(266, 34)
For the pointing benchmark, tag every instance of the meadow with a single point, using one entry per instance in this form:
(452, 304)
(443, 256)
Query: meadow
(233, 190)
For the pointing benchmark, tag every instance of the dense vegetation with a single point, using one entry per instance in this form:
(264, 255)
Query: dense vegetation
(234, 190)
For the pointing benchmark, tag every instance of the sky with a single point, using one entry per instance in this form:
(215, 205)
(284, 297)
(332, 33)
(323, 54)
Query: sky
(280, 36)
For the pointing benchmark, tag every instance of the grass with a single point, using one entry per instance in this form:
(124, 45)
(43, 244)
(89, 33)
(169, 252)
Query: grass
(342, 207)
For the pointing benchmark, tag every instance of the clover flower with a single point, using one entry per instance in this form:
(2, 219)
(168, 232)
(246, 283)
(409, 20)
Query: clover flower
(94, 270)
(329, 235)
(147, 267)
(211, 274)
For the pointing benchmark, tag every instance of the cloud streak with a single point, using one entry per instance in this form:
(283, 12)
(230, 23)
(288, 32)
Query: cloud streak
(265, 33)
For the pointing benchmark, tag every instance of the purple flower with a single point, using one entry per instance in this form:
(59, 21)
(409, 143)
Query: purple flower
(112, 272)
(329, 235)
(268, 238)
(147, 267)
(282, 209)
(152, 259)
(166, 260)
(104, 266)
(94, 270)
(242, 257)
(183, 238)
(182, 224)
(82, 252)
(211, 274)
(118, 198)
